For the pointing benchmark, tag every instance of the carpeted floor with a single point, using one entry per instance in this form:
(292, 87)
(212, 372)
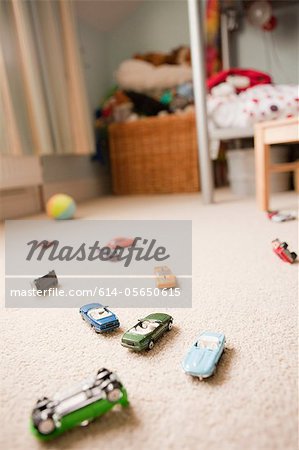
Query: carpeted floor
(239, 287)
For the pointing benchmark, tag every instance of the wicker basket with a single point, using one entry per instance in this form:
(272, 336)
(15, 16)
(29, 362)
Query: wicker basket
(154, 155)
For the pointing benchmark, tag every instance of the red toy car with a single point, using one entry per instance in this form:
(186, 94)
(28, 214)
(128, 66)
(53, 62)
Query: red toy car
(281, 250)
(118, 243)
(277, 216)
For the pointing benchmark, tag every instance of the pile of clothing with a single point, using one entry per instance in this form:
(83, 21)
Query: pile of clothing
(149, 85)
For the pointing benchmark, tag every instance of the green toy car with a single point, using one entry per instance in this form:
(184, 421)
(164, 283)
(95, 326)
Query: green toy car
(79, 406)
(147, 331)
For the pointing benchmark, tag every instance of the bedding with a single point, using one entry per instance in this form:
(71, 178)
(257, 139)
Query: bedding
(257, 104)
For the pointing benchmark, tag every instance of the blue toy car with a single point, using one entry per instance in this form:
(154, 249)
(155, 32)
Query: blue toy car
(202, 358)
(99, 317)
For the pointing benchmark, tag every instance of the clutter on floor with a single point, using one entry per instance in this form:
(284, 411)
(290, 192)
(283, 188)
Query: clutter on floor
(281, 216)
(282, 251)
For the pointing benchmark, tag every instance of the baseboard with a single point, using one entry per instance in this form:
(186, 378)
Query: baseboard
(20, 202)
(27, 182)
(80, 189)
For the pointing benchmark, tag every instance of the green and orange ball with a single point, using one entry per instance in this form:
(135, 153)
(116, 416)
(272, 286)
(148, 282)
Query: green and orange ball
(61, 207)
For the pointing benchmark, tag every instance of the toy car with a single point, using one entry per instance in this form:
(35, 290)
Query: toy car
(46, 282)
(147, 331)
(277, 216)
(203, 357)
(118, 243)
(79, 406)
(164, 277)
(281, 250)
(99, 317)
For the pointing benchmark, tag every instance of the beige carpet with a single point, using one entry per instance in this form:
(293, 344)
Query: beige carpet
(239, 287)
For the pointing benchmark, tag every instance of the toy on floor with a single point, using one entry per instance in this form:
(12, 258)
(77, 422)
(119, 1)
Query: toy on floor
(46, 282)
(79, 406)
(118, 243)
(99, 317)
(164, 277)
(61, 206)
(277, 216)
(281, 250)
(147, 331)
(203, 357)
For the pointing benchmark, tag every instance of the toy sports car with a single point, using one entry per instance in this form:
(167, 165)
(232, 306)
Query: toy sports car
(281, 250)
(147, 331)
(79, 406)
(117, 244)
(278, 216)
(99, 317)
(202, 358)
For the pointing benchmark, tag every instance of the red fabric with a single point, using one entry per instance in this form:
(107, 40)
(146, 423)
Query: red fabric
(254, 76)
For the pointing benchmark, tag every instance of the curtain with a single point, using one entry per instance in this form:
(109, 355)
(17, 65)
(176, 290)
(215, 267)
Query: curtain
(44, 107)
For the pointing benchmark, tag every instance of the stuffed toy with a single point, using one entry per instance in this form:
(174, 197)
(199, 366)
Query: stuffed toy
(180, 55)
(141, 76)
(157, 59)
(145, 105)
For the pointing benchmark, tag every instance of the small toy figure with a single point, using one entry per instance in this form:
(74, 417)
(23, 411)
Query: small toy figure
(164, 277)
(281, 250)
(147, 331)
(277, 216)
(79, 406)
(46, 282)
(203, 357)
(99, 317)
(118, 243)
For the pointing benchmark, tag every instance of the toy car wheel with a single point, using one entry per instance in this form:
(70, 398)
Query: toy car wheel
(151, 345)
(46, 426)
(114, 395)
(170, 325)
(41, 402)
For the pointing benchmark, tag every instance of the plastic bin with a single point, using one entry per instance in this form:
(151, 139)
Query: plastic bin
(241, 171)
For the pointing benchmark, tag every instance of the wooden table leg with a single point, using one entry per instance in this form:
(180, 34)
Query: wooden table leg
(262, 156)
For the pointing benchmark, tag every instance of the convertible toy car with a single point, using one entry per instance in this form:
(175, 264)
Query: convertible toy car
(147, 331)
(203, 357)
(99, 317)
(278, 216)
(281, 250)
(79, 406)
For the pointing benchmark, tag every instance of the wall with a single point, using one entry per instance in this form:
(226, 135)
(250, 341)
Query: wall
(93, 49)
(276, 52)
(155, 25)
(161, 25)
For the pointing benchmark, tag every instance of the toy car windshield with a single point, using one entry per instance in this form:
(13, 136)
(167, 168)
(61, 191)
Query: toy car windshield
(145, 327)
(99, 313)
(208, 342)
